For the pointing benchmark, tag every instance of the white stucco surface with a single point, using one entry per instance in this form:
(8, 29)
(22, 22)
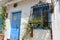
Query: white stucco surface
(56, 22)
(25, 7)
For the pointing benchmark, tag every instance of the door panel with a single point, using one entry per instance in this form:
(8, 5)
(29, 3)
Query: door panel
(15, 25)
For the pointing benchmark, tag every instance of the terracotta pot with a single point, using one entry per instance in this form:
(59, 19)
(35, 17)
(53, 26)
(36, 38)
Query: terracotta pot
(1, 36)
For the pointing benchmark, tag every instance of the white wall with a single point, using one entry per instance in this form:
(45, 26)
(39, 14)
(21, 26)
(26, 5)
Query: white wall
(56, 26)
(25, 7)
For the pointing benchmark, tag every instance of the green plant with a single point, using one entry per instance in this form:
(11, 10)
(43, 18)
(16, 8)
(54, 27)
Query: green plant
(31, 23)
(2, 16)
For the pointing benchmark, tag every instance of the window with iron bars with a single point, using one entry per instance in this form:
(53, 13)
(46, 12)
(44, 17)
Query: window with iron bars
(43, 14)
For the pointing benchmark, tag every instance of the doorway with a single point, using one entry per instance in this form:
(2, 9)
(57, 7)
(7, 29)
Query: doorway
(15, 25)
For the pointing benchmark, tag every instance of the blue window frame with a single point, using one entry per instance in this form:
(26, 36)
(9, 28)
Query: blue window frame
(43, 13)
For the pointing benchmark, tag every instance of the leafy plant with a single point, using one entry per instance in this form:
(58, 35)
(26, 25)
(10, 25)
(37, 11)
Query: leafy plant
(31, 23)
(2, 16)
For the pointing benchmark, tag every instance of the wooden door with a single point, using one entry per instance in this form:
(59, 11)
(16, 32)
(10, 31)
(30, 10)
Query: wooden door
(15, 25)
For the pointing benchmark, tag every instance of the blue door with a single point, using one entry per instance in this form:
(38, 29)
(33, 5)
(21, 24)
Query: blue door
(15, 25)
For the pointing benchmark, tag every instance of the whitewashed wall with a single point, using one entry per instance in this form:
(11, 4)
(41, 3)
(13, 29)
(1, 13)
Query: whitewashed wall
(56, 22)
(25, 7)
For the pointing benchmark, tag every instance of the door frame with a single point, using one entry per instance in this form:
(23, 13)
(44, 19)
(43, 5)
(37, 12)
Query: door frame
(19, 22)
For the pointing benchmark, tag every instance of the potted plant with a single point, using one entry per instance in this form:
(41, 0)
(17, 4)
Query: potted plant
(2, 16)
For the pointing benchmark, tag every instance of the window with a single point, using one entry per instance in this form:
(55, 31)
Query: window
(43, 13)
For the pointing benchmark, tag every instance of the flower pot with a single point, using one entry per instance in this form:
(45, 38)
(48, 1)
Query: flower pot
(1, 36)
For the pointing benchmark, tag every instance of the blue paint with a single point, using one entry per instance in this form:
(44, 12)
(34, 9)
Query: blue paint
(15, 25)
(1, 20)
